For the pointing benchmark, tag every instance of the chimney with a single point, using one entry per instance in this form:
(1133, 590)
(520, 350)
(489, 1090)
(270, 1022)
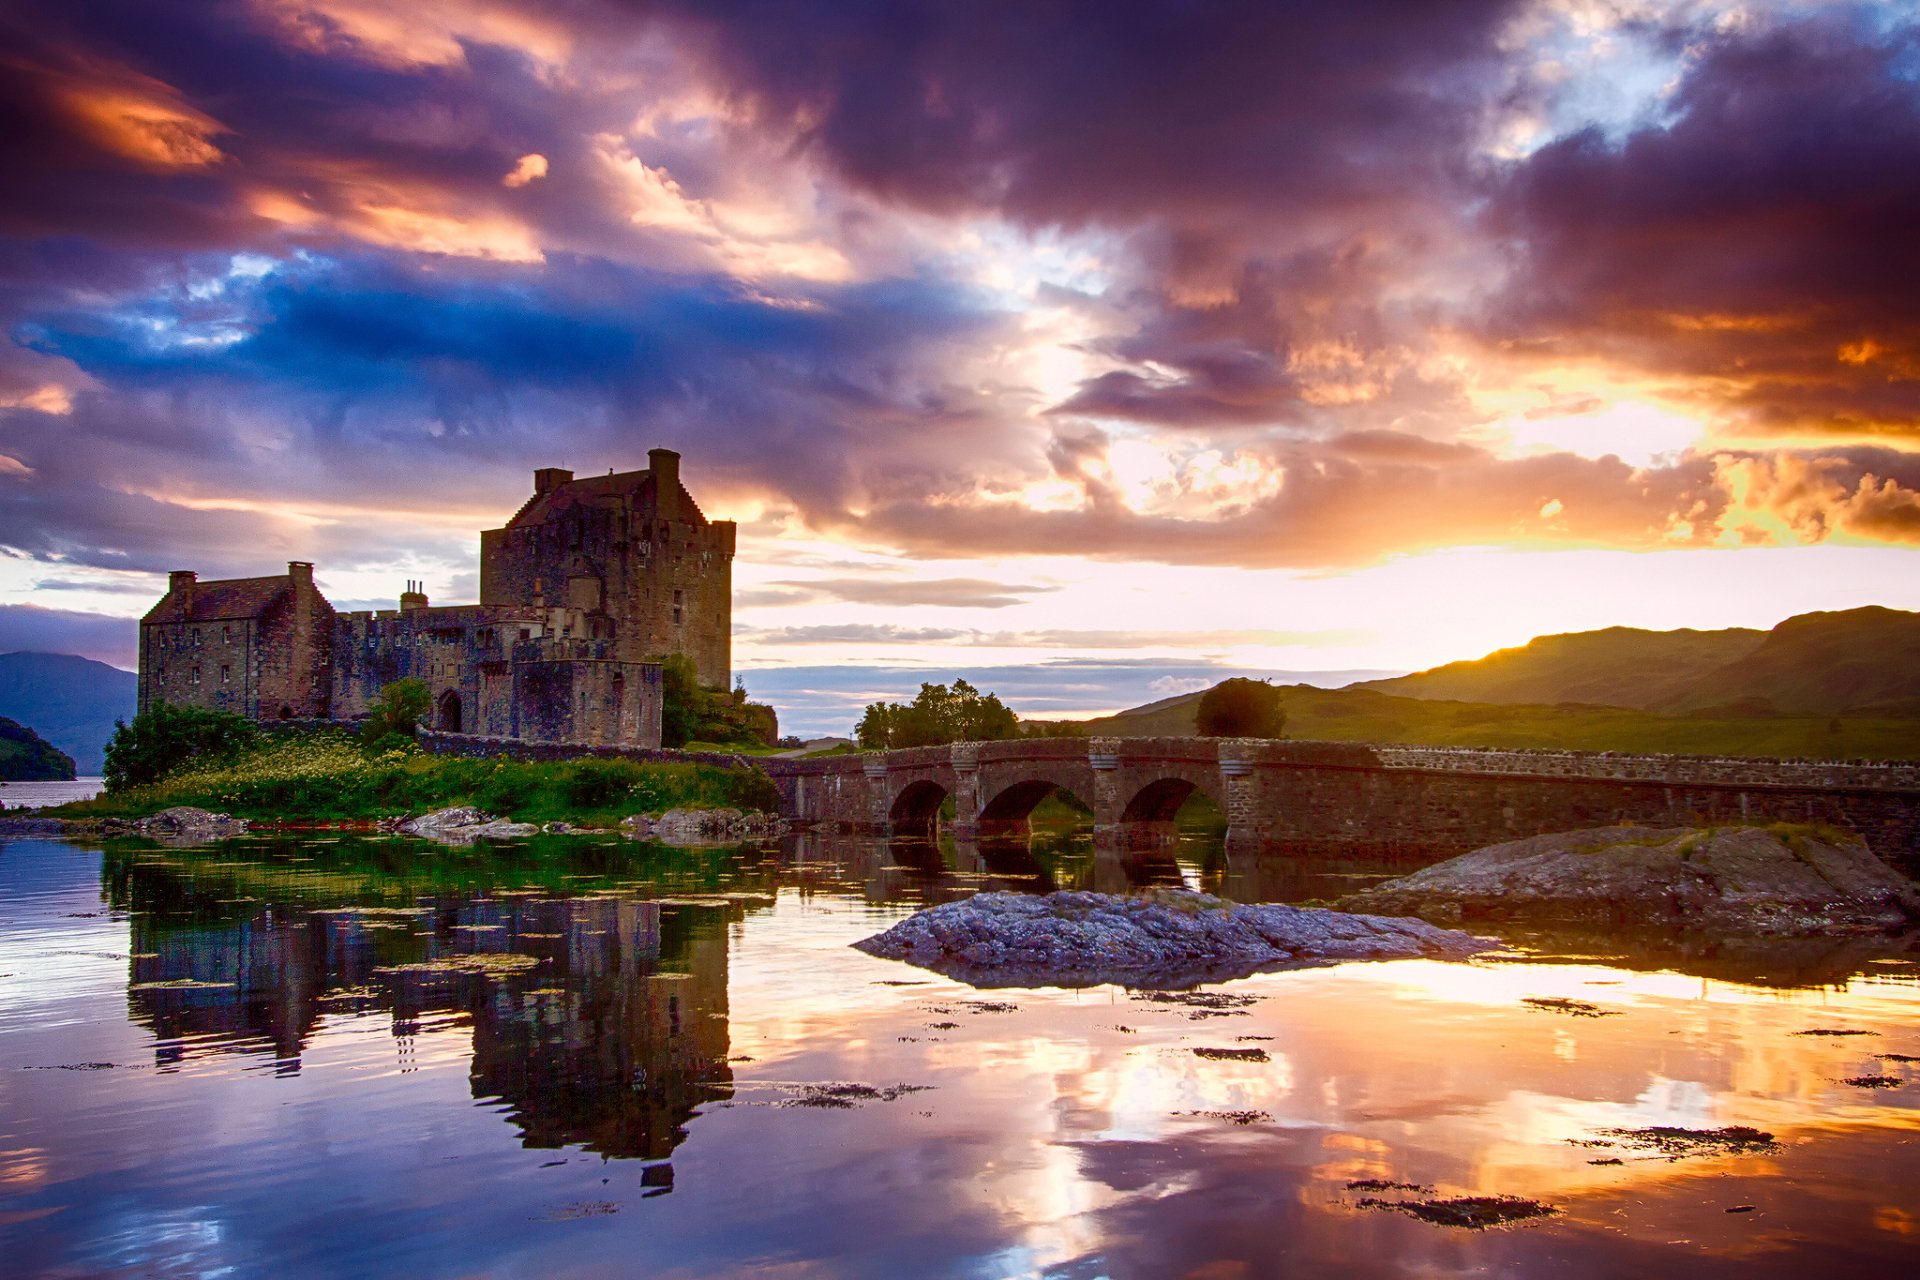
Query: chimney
(665, 465)
(414, 597)
(301, 571)
(180, 587)
(547, 479)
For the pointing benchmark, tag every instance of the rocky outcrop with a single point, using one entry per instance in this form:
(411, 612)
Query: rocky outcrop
(182, 824)
(704, 826)
(1161, 940)
(464, 825)
(1751, 880)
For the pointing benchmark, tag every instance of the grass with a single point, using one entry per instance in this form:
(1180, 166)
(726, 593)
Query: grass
(1362, 715)
(327, 777)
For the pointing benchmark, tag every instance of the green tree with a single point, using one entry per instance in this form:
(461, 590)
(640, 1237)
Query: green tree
(937, 714)
(165, 738)
(693, 712)
(394, 717)
(1241, 708)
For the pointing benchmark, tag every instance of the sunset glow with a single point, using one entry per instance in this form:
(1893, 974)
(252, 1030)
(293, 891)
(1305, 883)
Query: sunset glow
(1294, 338)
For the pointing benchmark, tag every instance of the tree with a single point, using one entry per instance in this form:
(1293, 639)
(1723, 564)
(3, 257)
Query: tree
(394, 716)
(165, 738)
(1241, 708)
(693, 712)
(937, 714)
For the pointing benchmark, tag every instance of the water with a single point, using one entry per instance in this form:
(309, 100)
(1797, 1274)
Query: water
(310, 1058)
(35, 795)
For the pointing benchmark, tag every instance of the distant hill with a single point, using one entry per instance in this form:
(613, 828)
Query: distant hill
(1854, 662)
(1364, 715)
(72, 702)
(1616, 667)
(1822, 664)
(27, 757)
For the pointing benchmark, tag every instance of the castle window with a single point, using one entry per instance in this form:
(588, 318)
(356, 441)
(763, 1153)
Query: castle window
(525, 634)
(226, 675)
(195, 677)
(226, 635)
(196, 637)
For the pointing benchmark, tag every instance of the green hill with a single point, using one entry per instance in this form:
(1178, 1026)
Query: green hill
(73, 701)
(27, 757)
(1821, 664)
(1615, 667)
(1364, 715)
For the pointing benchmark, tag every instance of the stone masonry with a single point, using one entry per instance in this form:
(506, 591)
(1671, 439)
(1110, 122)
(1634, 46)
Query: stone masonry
(582, 593)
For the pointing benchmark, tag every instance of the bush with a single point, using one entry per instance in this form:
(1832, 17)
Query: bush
(393, 718)
(164, 739)
(1241, 708)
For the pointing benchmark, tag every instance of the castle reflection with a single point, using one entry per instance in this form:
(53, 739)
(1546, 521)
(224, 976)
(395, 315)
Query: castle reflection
(598, 1020)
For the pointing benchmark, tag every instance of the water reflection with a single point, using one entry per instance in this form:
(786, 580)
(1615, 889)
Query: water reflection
(337, 1054)
(601, 1020)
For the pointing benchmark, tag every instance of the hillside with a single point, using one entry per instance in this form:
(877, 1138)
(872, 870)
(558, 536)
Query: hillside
(27, 757)
(1363, 715)
(70, 701)
(1822, 664)
(1615, 667)
(1855, 662)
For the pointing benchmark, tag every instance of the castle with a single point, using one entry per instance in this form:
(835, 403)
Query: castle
(582, 593)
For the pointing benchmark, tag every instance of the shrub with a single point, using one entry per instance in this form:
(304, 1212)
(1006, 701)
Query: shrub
(599, 784)
(394, 717)
(164, 739)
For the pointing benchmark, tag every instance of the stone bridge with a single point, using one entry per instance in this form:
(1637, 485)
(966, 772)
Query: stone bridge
(1338, 796)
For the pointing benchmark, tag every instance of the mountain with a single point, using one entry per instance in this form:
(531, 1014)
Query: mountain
(1364, 715)
(27, 757)
(70, 701)
(1615, 667)
(1822, 664)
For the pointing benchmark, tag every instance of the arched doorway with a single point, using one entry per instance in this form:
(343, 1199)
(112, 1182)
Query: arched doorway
(449, 719)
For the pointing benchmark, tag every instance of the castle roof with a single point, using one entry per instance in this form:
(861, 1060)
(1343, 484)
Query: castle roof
(631, 488)
(220, 600)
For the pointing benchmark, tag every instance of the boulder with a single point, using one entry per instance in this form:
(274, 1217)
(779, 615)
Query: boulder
(1776, 880)
(1164, 940)
(186, 823)
(704, 826)
(464, 825)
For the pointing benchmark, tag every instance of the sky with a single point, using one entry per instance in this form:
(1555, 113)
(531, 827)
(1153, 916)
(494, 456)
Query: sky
(1100, 348)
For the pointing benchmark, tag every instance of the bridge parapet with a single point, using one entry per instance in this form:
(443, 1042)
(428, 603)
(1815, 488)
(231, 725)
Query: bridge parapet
(1677, 770)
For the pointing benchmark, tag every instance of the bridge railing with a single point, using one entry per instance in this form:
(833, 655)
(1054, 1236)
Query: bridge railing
(1743, 771)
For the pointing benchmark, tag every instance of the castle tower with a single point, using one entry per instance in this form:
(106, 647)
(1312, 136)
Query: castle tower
(629, 556)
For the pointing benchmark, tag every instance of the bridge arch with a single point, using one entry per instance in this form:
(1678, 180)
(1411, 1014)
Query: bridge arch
(1008, 810)
(1162, 799)
(916, 810)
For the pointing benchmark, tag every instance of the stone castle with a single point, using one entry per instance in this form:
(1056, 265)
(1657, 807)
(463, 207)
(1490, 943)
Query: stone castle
(582, 593)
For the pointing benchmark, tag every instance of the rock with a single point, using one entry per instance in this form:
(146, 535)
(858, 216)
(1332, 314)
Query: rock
(1162, 940)
(184, 822)
(1746, 880)
(464, 825)
(704, 826)
(25, 824)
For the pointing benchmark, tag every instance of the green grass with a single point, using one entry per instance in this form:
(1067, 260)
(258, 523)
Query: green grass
(1361, 715)
(327, 777)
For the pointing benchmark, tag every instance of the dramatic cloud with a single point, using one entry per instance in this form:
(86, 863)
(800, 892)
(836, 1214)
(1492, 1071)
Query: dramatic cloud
(1760, 240)
(1282, 285)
